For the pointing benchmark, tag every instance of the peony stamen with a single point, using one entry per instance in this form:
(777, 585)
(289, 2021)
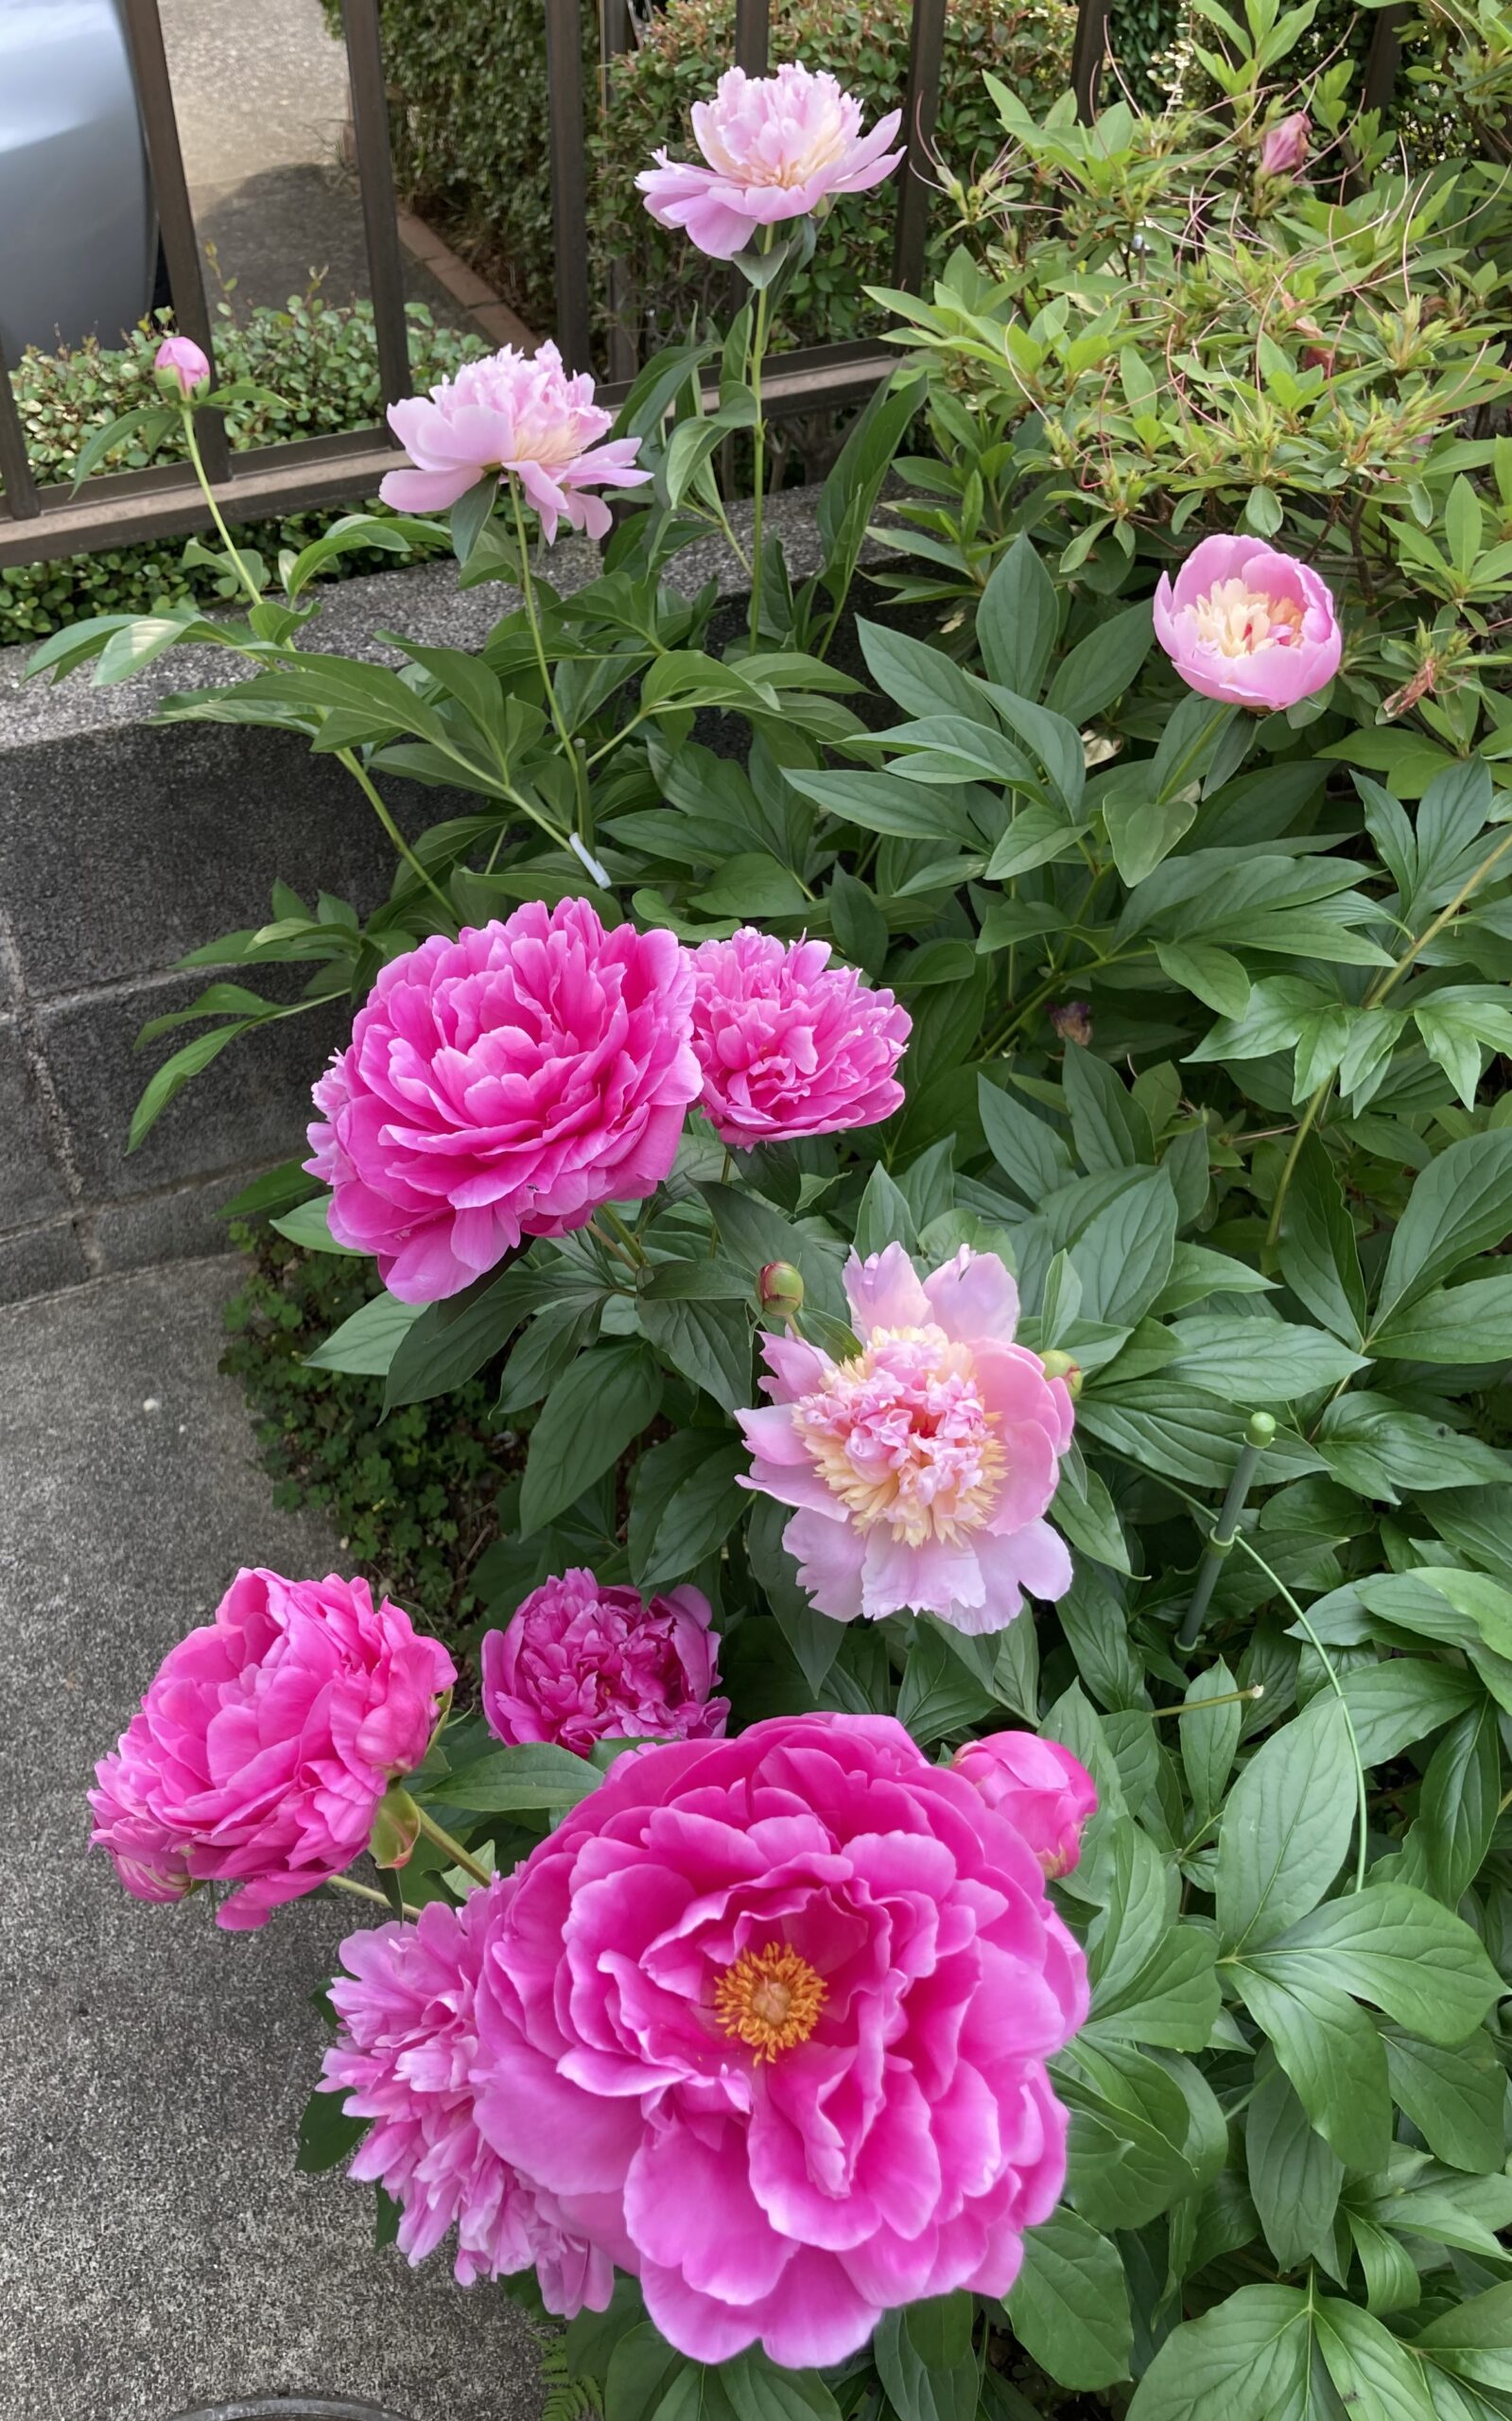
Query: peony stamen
(1241, 620)
(769, 2000)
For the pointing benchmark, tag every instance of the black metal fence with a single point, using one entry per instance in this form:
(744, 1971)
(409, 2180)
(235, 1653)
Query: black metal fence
(39, 522)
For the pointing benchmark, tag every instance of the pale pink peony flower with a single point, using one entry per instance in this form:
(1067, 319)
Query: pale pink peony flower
(580, 1663)
(264, 1745)
(513, 413)
(179, 364)
(405, 2056)
(502, 1085)
(1248, 626)
(784, 2002)
(921, 1467)
(1045, 1793)
(776, 147)
(1284, 151)
(790, 1045)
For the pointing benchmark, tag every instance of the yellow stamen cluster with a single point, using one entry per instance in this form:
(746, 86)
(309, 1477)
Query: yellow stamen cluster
(769, 2000)
(1239, 620)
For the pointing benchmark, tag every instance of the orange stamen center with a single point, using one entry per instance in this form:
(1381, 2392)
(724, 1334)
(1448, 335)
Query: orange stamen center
(769, 2000)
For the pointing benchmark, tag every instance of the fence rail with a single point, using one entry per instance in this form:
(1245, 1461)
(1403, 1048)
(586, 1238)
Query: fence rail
(38, 522)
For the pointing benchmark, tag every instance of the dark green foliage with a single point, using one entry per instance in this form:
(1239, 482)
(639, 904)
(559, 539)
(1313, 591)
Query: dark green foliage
(411, 1492)
(318, 362)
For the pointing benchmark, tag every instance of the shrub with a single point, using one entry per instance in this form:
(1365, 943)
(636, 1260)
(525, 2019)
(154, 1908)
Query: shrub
(867, 48)
(317, 365)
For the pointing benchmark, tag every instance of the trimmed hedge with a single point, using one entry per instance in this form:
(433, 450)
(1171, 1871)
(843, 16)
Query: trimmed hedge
(318, 359)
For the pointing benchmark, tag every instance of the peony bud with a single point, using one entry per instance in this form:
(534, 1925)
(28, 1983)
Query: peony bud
(180, 367)
(1045, 1792)
(1072, 1021)
(1060, 1366)
(780, 1287)
(395, 1828)
(1284, 151)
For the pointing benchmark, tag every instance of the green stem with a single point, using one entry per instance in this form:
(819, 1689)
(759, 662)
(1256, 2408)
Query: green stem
(632, 1244)
(758, 353)
(370, 791)
(569, 746)
(453, 1847)
(359, 1892)
(208, 493)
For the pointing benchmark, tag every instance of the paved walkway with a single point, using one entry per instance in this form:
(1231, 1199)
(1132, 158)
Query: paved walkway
(157, 2249)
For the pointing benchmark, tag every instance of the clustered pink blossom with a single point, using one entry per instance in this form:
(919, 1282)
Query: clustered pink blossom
(1046, 1794)
(580, 1662)
(790, 1045)
(180, 362)
(501, 1085)
(265, 1742)
(1284, 151)
(513, 415)
(775, 148)
(922, 1467)
(764, 2021)
(406, 2057)
(1247, 625)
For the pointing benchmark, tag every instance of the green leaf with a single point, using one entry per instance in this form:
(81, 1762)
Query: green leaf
(1404, 1700)
(591, 1415)
(1245, 2361)
(1108, 1126)
(1375, 2377)
(1123, 1257)
(309, 1227)
(1295, 2177)
(1182, 1432)
(1460, 1801)
(1286, 1827)
(326, 2134)
(1395, 1947)
(884, 1217)
(168, 1080)
(451, 1341)
(698, 1515)
(917, 2389)
(1017, 620)
(939, 1694)
(815, 1638)
(1373, 1446)
(1473, 2340)
(1209, 1737)
(534, 1774)
(1101, 666)
(1142, 830)
(710, 1344)
(366, 1343)
(1454, 2097)
(758, 2391)
(1461, 1205)
(1260, 1359)
(1468, 1324)
(1331, 2050)
(1070, 2308)
(1029, 1151)
(641, 2370)
(921, 679)
(1215, 976)
(1319, 1254)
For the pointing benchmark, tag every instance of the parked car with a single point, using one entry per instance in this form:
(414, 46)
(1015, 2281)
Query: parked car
(80, 252)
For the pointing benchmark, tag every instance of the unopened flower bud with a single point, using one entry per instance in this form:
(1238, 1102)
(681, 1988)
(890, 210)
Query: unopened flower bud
(180, 367)
(1060, 1366)
(1072, 1021)
(395, 1828)
(1284, 151)
(781, 1290)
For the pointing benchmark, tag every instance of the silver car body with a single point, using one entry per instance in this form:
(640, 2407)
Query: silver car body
(78, 229)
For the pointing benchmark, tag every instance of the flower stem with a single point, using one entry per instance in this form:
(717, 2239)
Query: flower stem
(454, 1849)
(208, 493)
(1200, 1706)
(359, 1892)
(632, 1243)
(759, 433)
(365, 782)
(569, 747)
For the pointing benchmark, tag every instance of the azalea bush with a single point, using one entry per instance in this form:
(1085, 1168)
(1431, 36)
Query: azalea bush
(969, 1869)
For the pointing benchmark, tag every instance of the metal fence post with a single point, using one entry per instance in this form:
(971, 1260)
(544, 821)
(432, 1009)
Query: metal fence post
(920, 109)
(569, 180)
(15, 470)
(380, 227)
(180, 245)
(1088, 53)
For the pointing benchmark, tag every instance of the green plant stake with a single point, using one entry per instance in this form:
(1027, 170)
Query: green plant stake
(1259, 1434)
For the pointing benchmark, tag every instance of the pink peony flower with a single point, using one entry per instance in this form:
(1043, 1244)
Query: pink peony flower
(264, 1745)
(1046, 1794)
(1248, 626)
(790, 1045)
(922, 1465)
(180, 366)
(405, 2056)
(1284, 151)
(502, 1085)
(776, 147)
(580, 1663)
(519, 415)
(784, 2002)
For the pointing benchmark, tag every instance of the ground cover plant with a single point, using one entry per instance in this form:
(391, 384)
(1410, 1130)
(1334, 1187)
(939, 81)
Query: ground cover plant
(989, 1185)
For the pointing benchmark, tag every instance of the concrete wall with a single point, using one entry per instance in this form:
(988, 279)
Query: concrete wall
(125, 843)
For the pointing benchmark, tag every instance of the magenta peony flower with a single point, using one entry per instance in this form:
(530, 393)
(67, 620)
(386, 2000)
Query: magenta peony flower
(405, 2055)
(180, 366)
(775, 147)
(502, 1085)
(264, 1745)
(580, 1663)
(1284, 151)
(790, 1045)
(513, 413)
(1046, 1794)
(1248, 626)
(922, 1465)
(784, 2003)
